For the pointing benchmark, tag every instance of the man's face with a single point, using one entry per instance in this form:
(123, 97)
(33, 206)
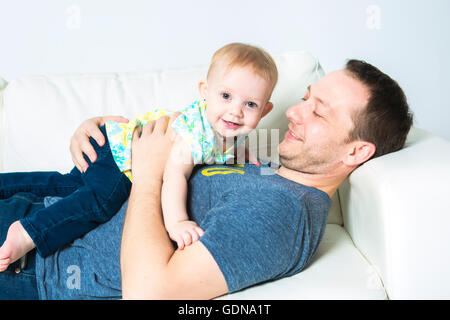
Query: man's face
(319, 125)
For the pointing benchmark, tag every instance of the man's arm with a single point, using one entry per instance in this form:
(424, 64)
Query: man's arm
(151, 268)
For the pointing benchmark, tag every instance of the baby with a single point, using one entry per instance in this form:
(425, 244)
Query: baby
(233, 99)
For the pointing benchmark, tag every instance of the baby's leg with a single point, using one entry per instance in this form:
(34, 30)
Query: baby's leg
(16, 245)
(49, 183)
(18, 242)
(11, 210)
(50, 228)
(103, 191)
(75, 215)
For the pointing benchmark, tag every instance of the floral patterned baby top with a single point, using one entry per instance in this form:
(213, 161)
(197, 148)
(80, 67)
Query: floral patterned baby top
(191, 124)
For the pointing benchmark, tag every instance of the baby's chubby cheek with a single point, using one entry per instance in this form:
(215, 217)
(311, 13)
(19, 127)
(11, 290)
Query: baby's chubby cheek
(253, 124)
(248, 129)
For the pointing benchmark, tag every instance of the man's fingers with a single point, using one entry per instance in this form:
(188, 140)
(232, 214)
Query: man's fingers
(76, 152)
(91, 129)
(89, 151)
(81, 164)
(170, 130)
(149, 127)
(174, 117)
(137, 133)
(77, 165)
(161, 124)
(114, 118)
(101, 120)
(74, 158)
(97, 135)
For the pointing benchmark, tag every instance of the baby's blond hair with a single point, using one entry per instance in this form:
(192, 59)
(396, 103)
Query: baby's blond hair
(241, 55)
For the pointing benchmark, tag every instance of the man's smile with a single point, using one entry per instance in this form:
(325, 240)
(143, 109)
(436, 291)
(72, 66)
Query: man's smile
(290, 135)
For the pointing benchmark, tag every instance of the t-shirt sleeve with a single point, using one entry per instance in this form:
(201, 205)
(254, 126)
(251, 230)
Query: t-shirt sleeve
(252, 241)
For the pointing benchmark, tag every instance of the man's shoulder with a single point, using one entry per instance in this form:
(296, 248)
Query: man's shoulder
(252, 187)
(271, 184)
(262, 185)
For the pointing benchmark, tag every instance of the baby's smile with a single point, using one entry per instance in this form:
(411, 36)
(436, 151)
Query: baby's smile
(230, 124)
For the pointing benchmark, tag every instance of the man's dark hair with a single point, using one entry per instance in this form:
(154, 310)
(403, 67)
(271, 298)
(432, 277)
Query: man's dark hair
(386, 120)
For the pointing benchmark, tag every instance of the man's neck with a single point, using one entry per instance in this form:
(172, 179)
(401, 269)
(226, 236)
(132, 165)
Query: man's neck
(323, 182)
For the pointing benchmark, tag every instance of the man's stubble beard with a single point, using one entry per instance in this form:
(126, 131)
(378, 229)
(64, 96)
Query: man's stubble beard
(310, 161)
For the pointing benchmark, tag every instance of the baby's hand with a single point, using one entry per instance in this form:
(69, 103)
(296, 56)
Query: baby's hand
(250, 157)
(184, 233)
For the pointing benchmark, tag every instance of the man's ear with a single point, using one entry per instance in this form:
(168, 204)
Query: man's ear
(359, 152)
(267, 109)
(202, 89)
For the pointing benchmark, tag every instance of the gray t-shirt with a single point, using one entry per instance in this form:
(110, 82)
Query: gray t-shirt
(258, 227)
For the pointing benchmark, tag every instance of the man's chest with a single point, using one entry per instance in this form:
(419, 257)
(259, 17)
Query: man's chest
(210, 185)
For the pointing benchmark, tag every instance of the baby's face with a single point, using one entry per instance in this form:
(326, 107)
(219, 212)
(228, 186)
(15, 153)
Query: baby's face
(236, 100)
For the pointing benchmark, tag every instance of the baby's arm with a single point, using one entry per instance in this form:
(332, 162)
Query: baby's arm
(173, 197)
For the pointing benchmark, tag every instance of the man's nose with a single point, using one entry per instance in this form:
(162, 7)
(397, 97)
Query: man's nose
(300, 112)
(297, 113)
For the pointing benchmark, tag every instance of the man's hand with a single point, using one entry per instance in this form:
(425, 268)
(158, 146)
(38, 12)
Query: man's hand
(79, 143)
(150, 149)
(184, 233)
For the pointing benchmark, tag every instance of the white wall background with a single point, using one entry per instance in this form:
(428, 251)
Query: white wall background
(408, 39)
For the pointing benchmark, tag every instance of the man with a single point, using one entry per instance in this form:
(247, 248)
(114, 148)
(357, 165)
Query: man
(260, 227)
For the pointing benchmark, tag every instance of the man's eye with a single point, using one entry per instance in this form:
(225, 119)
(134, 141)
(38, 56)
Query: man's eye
(317, 115)
(226, 96)
(252, 104)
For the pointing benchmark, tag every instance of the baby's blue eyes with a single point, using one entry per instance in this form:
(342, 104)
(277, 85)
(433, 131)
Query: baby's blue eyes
(227, 96)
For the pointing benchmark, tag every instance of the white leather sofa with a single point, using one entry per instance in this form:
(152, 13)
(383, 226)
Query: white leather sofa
(387, 234)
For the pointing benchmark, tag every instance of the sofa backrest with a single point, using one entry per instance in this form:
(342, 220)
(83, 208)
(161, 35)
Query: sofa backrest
(40, 113)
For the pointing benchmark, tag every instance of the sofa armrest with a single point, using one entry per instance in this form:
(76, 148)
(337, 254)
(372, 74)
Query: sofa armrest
(3, 85)
(396, 211)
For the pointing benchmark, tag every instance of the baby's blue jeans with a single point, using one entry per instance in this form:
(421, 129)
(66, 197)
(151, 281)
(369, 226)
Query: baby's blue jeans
(89, 199)
(18, 283)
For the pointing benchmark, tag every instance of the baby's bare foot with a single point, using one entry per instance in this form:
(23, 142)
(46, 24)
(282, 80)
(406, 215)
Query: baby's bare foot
(16, 245)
